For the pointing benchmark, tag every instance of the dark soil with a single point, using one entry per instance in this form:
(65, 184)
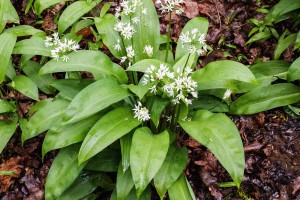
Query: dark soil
(271, 139)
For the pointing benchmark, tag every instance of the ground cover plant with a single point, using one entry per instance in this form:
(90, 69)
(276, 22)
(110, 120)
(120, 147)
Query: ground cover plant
(136, 104)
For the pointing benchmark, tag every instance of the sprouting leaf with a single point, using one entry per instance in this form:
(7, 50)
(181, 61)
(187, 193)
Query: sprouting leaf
(108, 129)
(7, 106)
(223, 141)
(45, 118)
(181, 189)
(94, 98)
(171, 169)
(26, 86)
(73, 12)
(145, 162)
(223, 74)
(283, 43)
(7, 44)
(40, 5)
(294, 71)
(33, 46)
(67, 135)
(95, 62)
(265, 98)
(63, 172)
(199, 23)
(7, 129)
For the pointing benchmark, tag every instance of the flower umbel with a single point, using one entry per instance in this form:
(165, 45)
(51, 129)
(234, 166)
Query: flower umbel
(61, 47)
(227, 94)
(170, 5)
(142, 113)
(194, 41)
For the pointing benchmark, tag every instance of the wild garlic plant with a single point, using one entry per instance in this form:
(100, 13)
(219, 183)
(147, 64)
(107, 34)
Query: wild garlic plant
(132, 110)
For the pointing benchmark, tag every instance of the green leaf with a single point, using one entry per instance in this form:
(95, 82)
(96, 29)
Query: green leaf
(67, 135)
(220, 135)
(105, 27)
(73, 12)
(181, 190)
(281, 8)
(259, 36)
(171, 169)
(31, 69)
(267, 72)
(157, 106)
(23, 30)
(147, 30)
(106, 161)
(71, 87)
(124, 183)
(33, 46)
(125, 143)
(40, 5)
(7, 44)
(83, 24)
(28, 6)
(63, 172)
(210, 103)
(38, 105)
(8, 12)
(94, 98)
(45, 118)
(294, 71)
(10, 71)
(297, 43)
(7, 106)
(85, 184)
(139, 90)
(283, 43)
(104, 9)
(146, 161)
(186, 61)
(26, 86)
(108, 129)
(265, 98)
(223, 74)
(95, 62)
(7, 129)
(197, 22)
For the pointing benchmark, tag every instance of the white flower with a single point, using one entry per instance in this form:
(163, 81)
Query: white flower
(123, 59)
(148, 49)
(117, 46)
(65, 58)
(129, 7)
(130, 52)
(170, 5)
(135, 20)
(144, 11)
(227, 94)
(119, 26)
(179, 11)
(126, 30)
(142, 113)
(194, 40)
(153, 89)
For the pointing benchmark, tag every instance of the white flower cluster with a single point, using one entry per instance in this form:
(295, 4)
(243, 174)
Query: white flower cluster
(178, 86)
(170, 5)
(61, 47)
(148, 49)
(140, 112)
(126, 29)
(130, 54)
(195, 41)
(129, 7)
(227, 94)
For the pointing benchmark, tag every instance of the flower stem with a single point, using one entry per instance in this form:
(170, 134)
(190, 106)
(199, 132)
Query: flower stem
(175, 117)
(169, 37)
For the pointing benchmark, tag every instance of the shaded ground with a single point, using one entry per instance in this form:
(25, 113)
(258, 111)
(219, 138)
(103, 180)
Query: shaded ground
(271, 139)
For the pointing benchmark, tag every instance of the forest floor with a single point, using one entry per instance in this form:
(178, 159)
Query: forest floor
(271, 139)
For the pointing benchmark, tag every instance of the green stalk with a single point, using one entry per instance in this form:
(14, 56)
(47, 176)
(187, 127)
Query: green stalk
(169, 37)
(175, 117)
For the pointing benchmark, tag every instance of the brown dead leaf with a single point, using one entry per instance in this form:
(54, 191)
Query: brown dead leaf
(49, 24)
(191, 9)
(85, 32)
(13, 164)
(191, 143)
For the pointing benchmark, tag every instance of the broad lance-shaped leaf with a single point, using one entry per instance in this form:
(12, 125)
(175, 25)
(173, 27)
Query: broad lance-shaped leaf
(63, 172)
(171, 169)
(222, 74)
(8, 12)
(73, 12)
(7, 44)
(220, 135)
(33, 46)
(108, 129)
(7, 129)
(94, 98)
(26, 86)
(125, 143)
(157, 107)
(294, 71)
(146, 161)
(23, 30)
(7, 106)
(45, 118)
(105, 28)
(199, 23)
(67, 135)
(95, 62)
(181, 189)
(40, 5)
(266, 98)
